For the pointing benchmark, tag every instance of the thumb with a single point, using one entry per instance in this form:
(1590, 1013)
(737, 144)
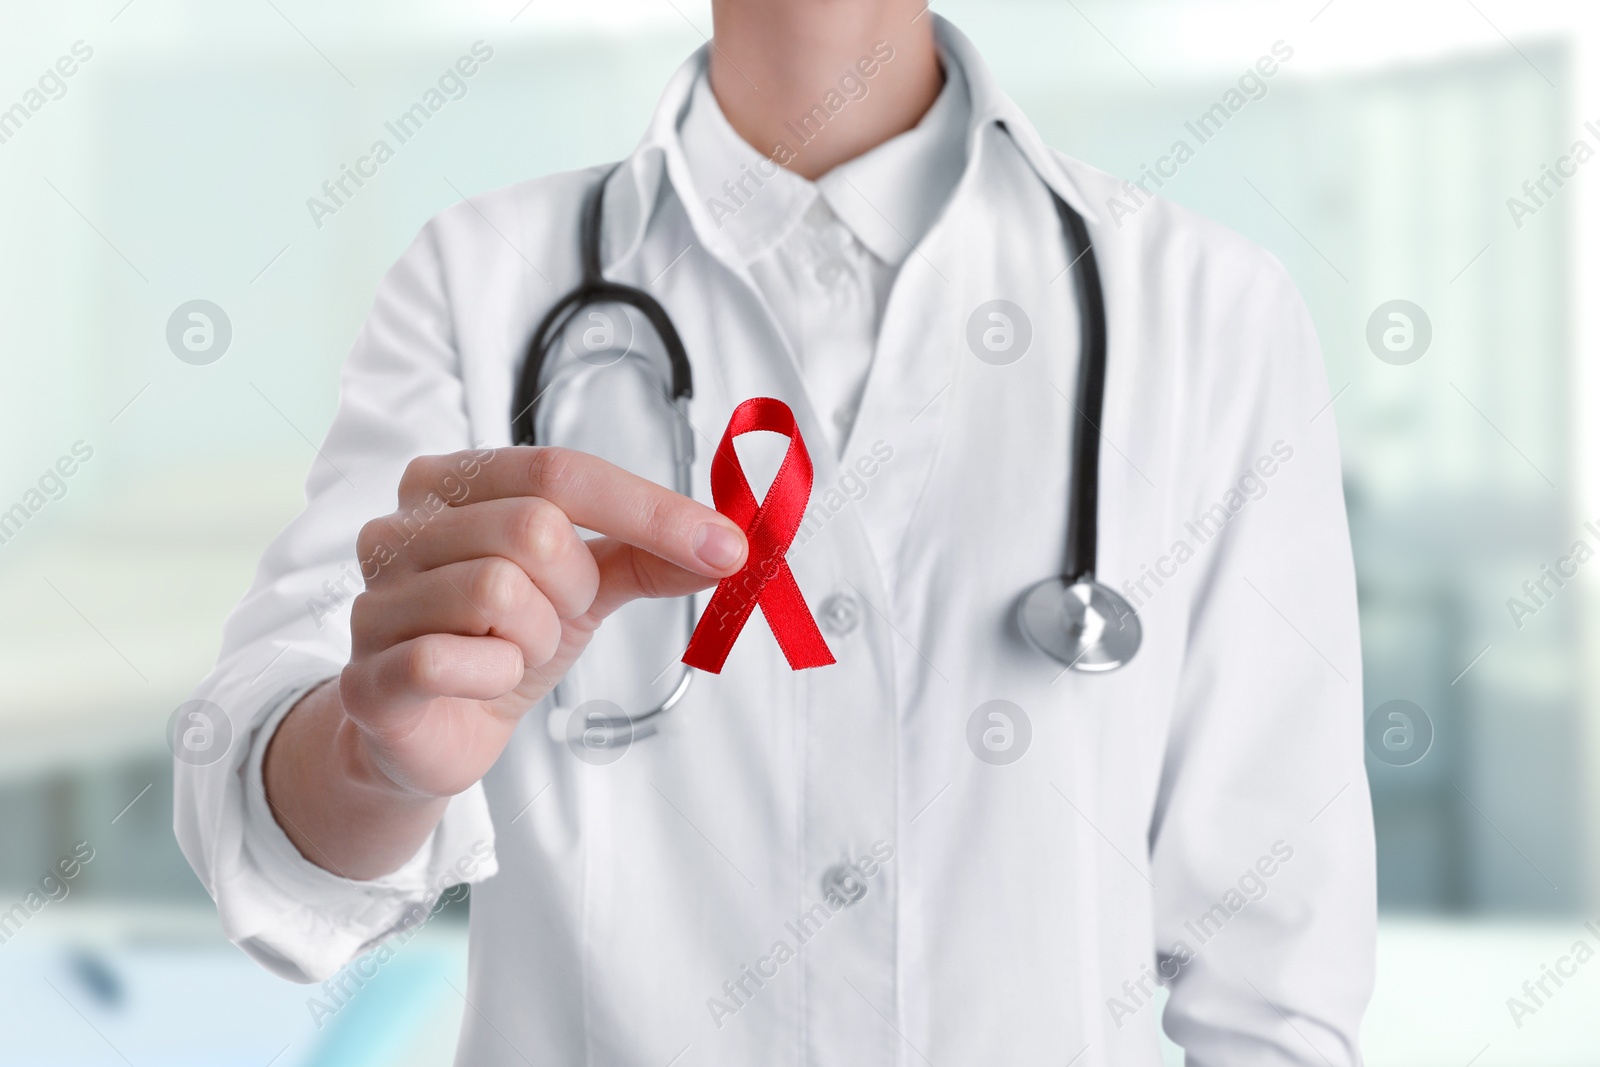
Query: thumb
(628, 573)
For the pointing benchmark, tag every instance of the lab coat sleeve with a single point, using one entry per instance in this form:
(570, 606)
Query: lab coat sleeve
(1262, 841)
(401, 396)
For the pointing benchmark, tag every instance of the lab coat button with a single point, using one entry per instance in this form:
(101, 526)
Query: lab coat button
(841, 613)
(830, 272)
(844, 882)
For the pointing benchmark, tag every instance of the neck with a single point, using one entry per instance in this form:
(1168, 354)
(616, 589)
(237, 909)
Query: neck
(814, 83)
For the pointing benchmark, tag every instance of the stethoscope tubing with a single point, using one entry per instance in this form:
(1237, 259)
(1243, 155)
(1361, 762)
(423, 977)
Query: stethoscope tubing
(1077, 584)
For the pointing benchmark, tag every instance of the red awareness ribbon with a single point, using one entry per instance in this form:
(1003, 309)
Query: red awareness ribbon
(770, 528)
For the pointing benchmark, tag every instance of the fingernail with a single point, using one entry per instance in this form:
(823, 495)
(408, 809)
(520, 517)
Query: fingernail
(717, 546)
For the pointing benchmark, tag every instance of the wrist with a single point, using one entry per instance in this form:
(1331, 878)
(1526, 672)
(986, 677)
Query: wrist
(328, 792)
(359, 761)
(319, 739)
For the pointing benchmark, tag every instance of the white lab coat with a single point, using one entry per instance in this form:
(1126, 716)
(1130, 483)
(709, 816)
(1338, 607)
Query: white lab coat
(1202, 812)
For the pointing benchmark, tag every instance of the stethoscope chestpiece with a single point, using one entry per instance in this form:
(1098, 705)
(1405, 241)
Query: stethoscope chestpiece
(1083, 624)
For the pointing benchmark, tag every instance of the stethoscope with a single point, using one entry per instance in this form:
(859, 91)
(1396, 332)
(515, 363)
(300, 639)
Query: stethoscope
(1072, 618)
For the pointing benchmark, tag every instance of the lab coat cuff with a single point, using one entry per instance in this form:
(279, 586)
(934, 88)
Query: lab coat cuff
(321, 920)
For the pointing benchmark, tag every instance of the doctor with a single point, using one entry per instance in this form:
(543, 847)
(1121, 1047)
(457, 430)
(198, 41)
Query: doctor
(944, 848)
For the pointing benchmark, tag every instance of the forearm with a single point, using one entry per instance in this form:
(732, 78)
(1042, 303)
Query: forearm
(333, 802)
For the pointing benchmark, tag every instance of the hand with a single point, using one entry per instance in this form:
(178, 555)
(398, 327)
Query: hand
(477, 609)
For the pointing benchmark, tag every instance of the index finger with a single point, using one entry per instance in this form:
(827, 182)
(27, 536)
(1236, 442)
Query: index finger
(592, 493)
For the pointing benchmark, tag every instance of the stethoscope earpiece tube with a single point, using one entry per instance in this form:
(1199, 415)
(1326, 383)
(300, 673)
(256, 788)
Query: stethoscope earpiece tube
(1084, 513)
(592, 289)
(1072, 617)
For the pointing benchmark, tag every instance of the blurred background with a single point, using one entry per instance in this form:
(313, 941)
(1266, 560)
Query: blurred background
(1385, 162)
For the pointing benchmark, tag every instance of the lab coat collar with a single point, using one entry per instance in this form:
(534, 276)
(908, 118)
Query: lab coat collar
(888, 197)
(994, 114)
(630, 203)
(718, 158)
